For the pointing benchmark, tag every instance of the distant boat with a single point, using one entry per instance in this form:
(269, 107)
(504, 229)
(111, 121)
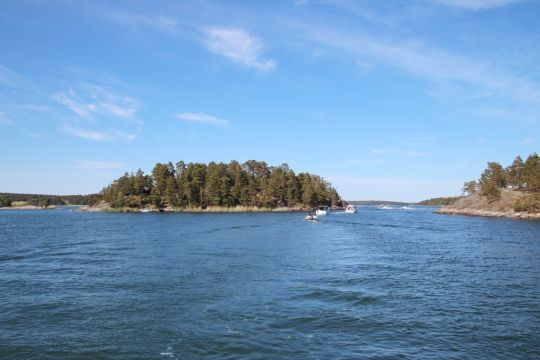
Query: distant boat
(310, 216)
(386, 207)
(145, 210)
(407, 207)
(322, 210)
(351, 209)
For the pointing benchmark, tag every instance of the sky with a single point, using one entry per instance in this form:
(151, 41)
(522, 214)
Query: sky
(390, 100)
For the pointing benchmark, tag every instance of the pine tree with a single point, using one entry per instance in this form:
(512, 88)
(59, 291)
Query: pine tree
(470, 187)
(531, 173)
(514, 173)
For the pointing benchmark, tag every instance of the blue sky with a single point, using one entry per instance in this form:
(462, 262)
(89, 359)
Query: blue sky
(392, 100)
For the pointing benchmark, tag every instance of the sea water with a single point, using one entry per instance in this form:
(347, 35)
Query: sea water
(403, 283)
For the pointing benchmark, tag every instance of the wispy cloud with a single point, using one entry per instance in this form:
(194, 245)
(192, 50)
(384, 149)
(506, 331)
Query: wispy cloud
(202, 118)
(34, 107)
(86, 134)
(238, 46)
(476, 4)
(37, 135)
(11, 78)
(161, 22)
(4, 120)
(98, 135)
(430, 63)
(100, 165)
(98, 100)
(69, 99)
(109, 114)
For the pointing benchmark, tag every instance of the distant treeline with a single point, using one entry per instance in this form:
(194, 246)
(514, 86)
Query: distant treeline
(440, 201)
(8, 199)
(253, 184)
(521, 176)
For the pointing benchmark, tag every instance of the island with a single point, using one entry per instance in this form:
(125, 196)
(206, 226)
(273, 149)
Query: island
(513, 191)
(11, 201)
(216, 187)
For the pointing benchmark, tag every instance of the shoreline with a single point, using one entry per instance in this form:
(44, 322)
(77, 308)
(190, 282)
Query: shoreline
(477, 205)
(28, 207)
(209, 209)
(488, 213)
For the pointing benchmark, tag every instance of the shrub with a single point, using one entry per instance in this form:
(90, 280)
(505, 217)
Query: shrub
(529, 203)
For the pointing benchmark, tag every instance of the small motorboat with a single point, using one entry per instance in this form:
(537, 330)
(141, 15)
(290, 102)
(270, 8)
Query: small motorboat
(351, 209)
(145, 210)
(322, 210)
(310, 216)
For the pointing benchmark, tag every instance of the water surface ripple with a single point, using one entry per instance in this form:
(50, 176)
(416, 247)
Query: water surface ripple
(377, 284)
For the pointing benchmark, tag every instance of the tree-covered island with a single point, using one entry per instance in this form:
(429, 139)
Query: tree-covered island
(249, 186)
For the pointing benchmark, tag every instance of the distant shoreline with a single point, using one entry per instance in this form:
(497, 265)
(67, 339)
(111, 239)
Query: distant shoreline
(28, 207)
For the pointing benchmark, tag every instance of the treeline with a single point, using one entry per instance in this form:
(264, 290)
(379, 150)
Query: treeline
(440, 201)
(8, 199)
(251, 184)
(519, 176)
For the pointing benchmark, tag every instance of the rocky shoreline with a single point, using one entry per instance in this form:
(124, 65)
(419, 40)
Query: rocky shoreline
(476, 205)
(477, 212)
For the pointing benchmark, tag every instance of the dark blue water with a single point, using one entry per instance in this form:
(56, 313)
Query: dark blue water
(385, 284)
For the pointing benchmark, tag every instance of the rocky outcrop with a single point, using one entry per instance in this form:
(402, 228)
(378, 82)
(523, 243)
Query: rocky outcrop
(100, 206)
(477, 205)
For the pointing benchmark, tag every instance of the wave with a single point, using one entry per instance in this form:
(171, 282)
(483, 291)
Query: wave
(13, 257)
(344, 296)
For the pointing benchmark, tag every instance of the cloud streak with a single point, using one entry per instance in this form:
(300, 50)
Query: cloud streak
(12, 79)
(98, 100)
(86, 134)
(432, 64)
(476, 4)
(111, 115)
(97, 135)
(202, 118)
(4, 120)
(238, 46)
(160, 23)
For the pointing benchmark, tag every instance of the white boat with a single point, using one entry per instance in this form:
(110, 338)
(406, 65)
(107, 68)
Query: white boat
(407, 208)
(386, 207)
(351, 209)
(322, 210)
(145, 210)
(311, 216)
